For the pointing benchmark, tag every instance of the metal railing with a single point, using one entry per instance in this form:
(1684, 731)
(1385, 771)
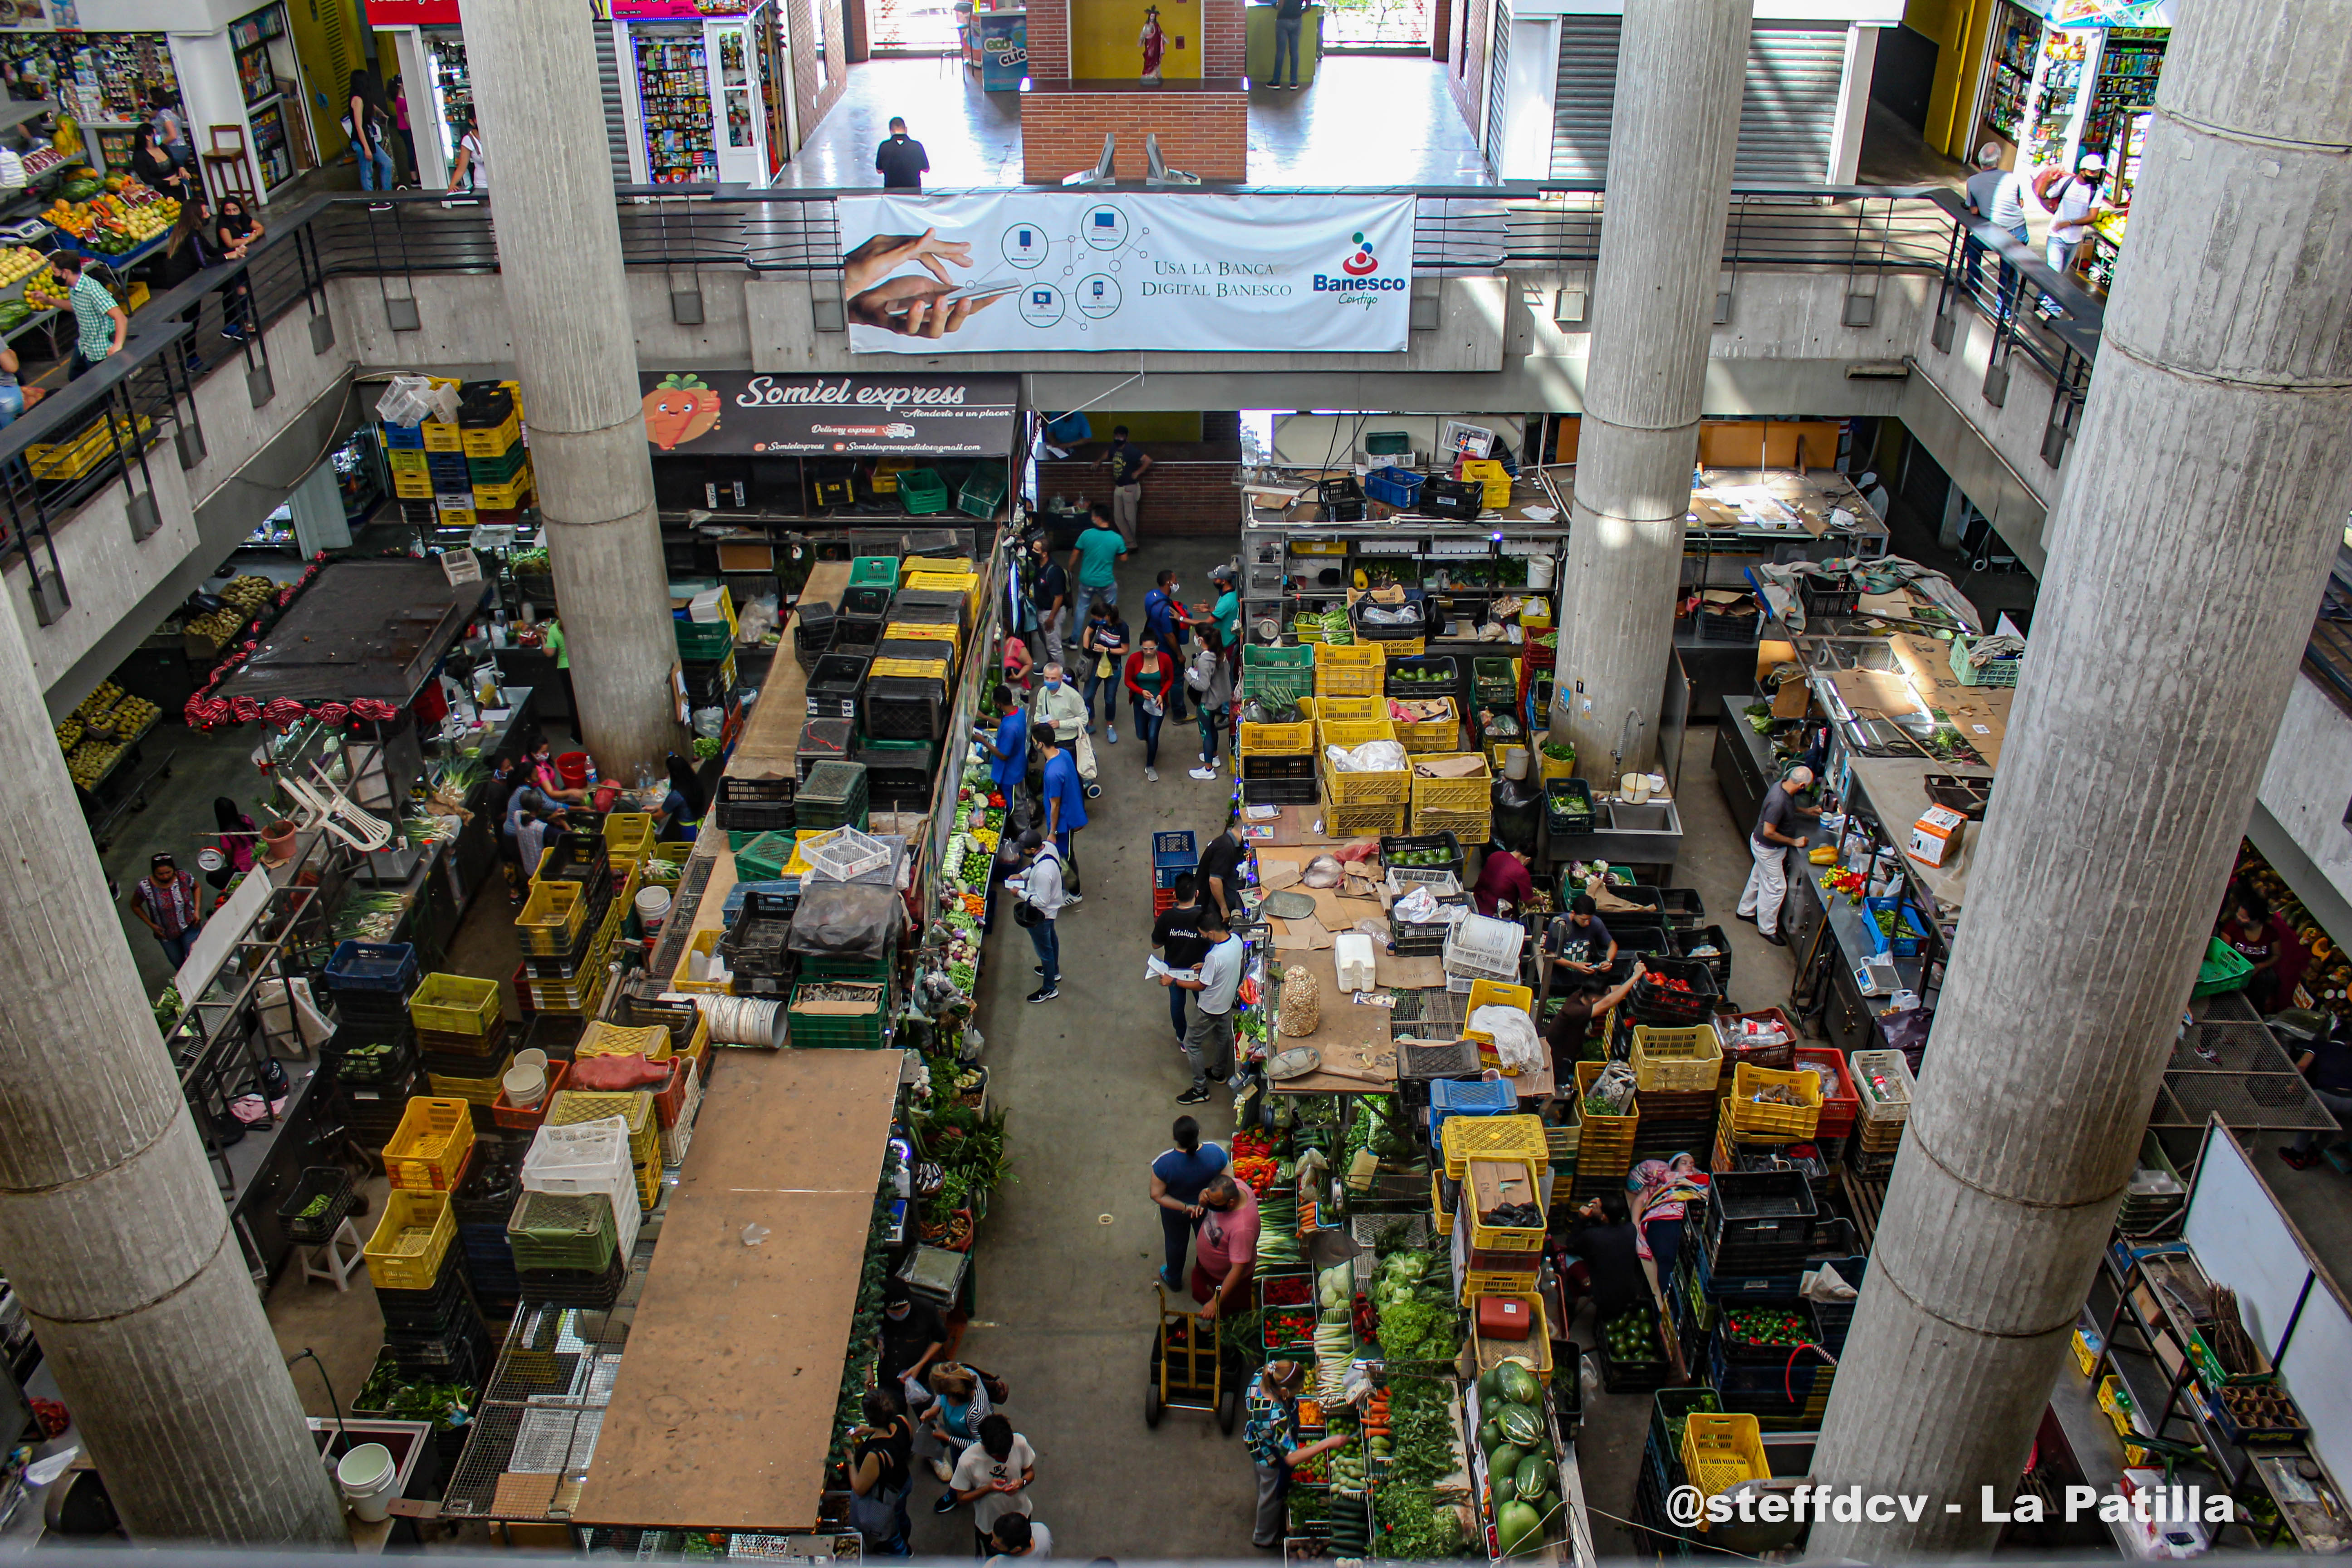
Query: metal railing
(106, 426)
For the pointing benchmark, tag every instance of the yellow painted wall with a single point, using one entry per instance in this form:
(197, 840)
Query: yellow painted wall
(1146, 427)
(327, 43)
(1959, 28)
(1103, 34)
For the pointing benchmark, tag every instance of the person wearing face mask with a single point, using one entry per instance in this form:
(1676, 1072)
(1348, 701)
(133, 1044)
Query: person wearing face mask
(1152, 685)
(1165, 620)
(1103, 644)
(1058, 707)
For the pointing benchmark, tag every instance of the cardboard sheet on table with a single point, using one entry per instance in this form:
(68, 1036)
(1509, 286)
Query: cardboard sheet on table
(1980, 714)
(1305, 934)
(1883, 691)
(1274, 876)
(1407, 972)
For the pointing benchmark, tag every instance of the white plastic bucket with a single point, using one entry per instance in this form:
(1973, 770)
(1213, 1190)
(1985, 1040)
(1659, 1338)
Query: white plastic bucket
(531, 1057)
(366, 1474)
(653, 907)
(525, 1086)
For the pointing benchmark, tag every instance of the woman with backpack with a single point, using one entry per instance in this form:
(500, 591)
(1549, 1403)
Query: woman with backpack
(1211, 681)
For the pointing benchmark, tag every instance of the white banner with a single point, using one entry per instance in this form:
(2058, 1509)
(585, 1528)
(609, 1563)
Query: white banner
(1061, 270)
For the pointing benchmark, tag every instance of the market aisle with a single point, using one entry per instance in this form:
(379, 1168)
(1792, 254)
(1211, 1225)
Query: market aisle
(1066, 1254)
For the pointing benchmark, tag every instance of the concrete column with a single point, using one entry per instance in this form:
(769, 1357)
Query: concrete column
(2200, 509)
(1680, 72)
(534, 64)
(111, 1226)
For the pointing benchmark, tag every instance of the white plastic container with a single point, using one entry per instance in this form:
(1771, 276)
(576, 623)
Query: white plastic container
(366, 1475)
(1351, 955)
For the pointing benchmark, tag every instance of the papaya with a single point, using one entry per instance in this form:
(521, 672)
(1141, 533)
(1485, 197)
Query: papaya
(1503, 1463)
(1518, 1526)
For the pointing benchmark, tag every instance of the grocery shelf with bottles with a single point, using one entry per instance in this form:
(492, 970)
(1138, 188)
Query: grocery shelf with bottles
(674, 102)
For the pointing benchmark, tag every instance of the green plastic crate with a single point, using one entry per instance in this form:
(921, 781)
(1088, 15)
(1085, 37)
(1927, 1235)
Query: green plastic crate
(836, 1031)
(922, 492)
(1258, 656)
(983, 492)
(874, 571)
(2225, 969)
(764, 858)
(1495, 680)
(1277, 684)
(825, 966)
(703, 639)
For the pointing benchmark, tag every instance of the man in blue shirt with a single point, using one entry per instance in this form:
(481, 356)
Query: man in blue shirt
(1096, 559)
(1164, 618)
(1009, 752)
(1064, 799)
(1177, 1178)
(1228, 613)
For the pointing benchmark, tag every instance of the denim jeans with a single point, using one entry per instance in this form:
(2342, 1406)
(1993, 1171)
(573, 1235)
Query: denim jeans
(176, 947)
(375, 168)
(1106, 591)
(1176, 1236)
(1208, 717)
(1047, 941)
(1147, 730)
(1109, 686)
(1286, 41)
(12, 403)
(1176, 994)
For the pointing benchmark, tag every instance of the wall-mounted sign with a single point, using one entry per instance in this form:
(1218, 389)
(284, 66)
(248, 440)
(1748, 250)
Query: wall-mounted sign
(413, 13)
(830, 415)
(1030, 270)
(674, 10)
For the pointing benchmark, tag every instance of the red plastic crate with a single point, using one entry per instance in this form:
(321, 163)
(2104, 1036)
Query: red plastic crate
(1162, 900)
(1838, 1110)
(527, 1119)
(522, 983)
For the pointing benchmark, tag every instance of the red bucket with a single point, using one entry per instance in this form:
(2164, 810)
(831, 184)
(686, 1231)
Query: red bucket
(572, 767)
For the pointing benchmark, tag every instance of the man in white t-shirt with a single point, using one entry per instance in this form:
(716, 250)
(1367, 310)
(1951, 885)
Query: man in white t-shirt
(993, 1476)
(1998, 196)
(1017, 1535)
(2076, 204)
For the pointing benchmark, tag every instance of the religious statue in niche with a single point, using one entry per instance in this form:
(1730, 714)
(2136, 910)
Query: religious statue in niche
(1154, 43)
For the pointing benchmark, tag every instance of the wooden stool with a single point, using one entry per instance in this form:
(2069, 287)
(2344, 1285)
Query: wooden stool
(331, 1262)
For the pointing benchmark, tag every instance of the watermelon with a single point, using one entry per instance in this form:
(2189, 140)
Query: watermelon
(1519, 1427)
(1519, 1383)
(1516, 1526)
(1535, 1476)
(14, 314)
(1503, 1463)
(80, 190)
(1490, 1437)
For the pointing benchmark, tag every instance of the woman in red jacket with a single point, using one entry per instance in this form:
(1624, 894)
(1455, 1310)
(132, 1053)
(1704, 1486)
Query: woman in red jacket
(1151, 676)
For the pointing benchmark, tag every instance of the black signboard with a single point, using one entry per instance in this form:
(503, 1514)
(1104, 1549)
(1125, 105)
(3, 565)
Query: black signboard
(725, 411)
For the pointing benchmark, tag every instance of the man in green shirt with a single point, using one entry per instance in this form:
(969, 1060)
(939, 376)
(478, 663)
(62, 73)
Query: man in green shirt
(99, 323)
(550, 639)
(1228, 608)
(1096, 559)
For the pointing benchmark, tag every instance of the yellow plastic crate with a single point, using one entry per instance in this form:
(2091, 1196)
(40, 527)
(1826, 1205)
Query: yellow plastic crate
(71, 460)
(942, 582)
(1468, 1138)
(1496, 1282)
(1677, 1061)
(1442, 733)
(1721, 1451)
(1536, 1347)
(551, 917)
(505, 496)
(627, 834)
(1349, 734)
(704, 942)
(1494, 994)
(455, 1004)
(651, 1041)
(1472, 796)
(1349, 669)
(1437, 1201)
(1491, 474)
(413, 486)
(493, 442)
(918, 669)
(1365, 821)
(570, 1107)
(1359, 709)
(406, 459)
(1470, 829)
(1501, 1238)
(1349, 789)
(428, 1148)
(1603, 1136)
(1408, 647)
(442, 436)
(1774, 1121)
(940, 631)
(411, 1239)
(472, 1091)
(456, 516)
(1277, 740)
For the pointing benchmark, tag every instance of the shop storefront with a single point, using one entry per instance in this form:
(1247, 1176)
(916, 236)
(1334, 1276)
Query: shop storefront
(2064, 79)
(423, 45)
(100, 80)
(691, 91)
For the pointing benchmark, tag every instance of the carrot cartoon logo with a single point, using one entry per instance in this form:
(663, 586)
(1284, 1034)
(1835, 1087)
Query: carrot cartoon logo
(679, 408)
(1362, 263)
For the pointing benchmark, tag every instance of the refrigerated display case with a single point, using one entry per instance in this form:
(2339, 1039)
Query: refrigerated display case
(698, 115)
(452, 89)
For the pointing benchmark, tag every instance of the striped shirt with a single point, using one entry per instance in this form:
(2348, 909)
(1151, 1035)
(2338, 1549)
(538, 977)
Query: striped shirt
(173, 908)
(93, 321)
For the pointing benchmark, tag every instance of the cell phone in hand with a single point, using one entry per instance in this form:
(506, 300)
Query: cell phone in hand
(997, 289)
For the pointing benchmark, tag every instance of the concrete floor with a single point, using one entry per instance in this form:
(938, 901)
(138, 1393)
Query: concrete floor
(1367, 120)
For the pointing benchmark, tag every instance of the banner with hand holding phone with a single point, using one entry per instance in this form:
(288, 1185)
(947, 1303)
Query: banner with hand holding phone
(1081, 270)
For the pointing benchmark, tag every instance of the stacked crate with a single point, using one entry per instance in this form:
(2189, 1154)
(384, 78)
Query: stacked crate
(1884, 1086)
(706, 631)
(461, 1033)
(1358, 802)
(636, 1109)
(1604, 1151)
(569, 923)
(485, 1197)
(373, 1049)
(567, 1248)
(431, 1322)
(491, 478)
(1276, 760)
(1750, 1243)
(832, 795)
(1462, 806)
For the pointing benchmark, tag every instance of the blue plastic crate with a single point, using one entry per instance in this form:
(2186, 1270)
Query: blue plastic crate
(372, 966)
(1910, 931)
(1164, 877)
(1175, 848)
(1746, 1287)
(405, 437)
(1393, 486)
(1453, 1097)
(788, 887)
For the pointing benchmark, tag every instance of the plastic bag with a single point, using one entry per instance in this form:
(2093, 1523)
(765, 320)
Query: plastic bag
(1323, 871)
(1825, 1284)
(1372, 757)
(1416, 908)
(850, 920)
(1513, 1034)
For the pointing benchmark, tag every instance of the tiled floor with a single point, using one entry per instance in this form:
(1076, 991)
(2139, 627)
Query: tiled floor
(1367, 120)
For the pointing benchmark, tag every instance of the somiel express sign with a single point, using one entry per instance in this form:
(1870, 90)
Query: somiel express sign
(829, 416)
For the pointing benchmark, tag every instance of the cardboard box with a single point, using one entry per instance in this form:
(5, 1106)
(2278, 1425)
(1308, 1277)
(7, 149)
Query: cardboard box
(1936, 837)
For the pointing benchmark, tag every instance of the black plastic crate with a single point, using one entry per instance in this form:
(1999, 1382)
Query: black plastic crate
(1460, 499)
(1681, 906)
(906, 708)
(1279, 792)
(1777, 1204)
(1412, 630)
(855, 634)
(1742, 626)
(1427, 936)
(869, 601)
(1300, 766)
(1718, 962)
(1655, 1003)
(555, 1034)
(822, 741)
(1399, 681)
(756, 805)
(1643, 941)
(1395, 849)
(332, 1182)
(754, 944)
(1828, 596)
(1567, 806)
(834, 684)
(920, 605)
(1341, 498)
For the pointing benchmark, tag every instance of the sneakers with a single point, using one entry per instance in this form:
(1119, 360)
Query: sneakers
(379, 206)
(1196, 1095)
(1114, 733)
(1045, 994)
(1074, 900)
(946, 1504)
(2298, 1159)
(1038, 970)
(194, 364)
(942, 1469)
(1152, 775)
(1205, 775)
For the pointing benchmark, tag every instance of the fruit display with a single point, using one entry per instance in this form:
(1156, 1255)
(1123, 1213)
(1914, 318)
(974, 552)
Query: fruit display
(69, 733)
(112, 222)
(1522, 1491)
(250, 592)
(20, 261)
(1632, 1335)
(45, 290)
(90, 760)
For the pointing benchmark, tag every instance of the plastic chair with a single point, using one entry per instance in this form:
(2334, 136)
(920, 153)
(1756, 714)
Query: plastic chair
(331, 1262)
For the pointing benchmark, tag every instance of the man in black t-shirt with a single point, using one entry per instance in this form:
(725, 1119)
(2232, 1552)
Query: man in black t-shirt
(1128, 464)
(1177, 934)
(1777, 828)
(913, 1335)
(1613, 1266)
(1049, 596)
(1220, 872)
(901, 161)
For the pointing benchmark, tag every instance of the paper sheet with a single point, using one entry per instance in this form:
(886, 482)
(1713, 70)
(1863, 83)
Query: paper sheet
(1155, 966)
(1274, 876)
(1398, 972)
(1316, 934)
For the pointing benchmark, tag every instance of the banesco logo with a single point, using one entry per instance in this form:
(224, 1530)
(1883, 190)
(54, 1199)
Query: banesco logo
(1363, 263)
(1359, 284)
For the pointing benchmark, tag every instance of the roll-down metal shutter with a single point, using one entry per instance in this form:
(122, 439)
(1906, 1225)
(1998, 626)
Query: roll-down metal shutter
(608, 83)
(1586, 95)
(1788, 113)
(1787, 116)
(1498, 78)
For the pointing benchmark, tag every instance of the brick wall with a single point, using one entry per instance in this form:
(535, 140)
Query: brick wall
(1049, 41)
(1203, 133)
(816, 94)
(1224, 39)
(1441, 30)
(1189, 490)
(1466, 74)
